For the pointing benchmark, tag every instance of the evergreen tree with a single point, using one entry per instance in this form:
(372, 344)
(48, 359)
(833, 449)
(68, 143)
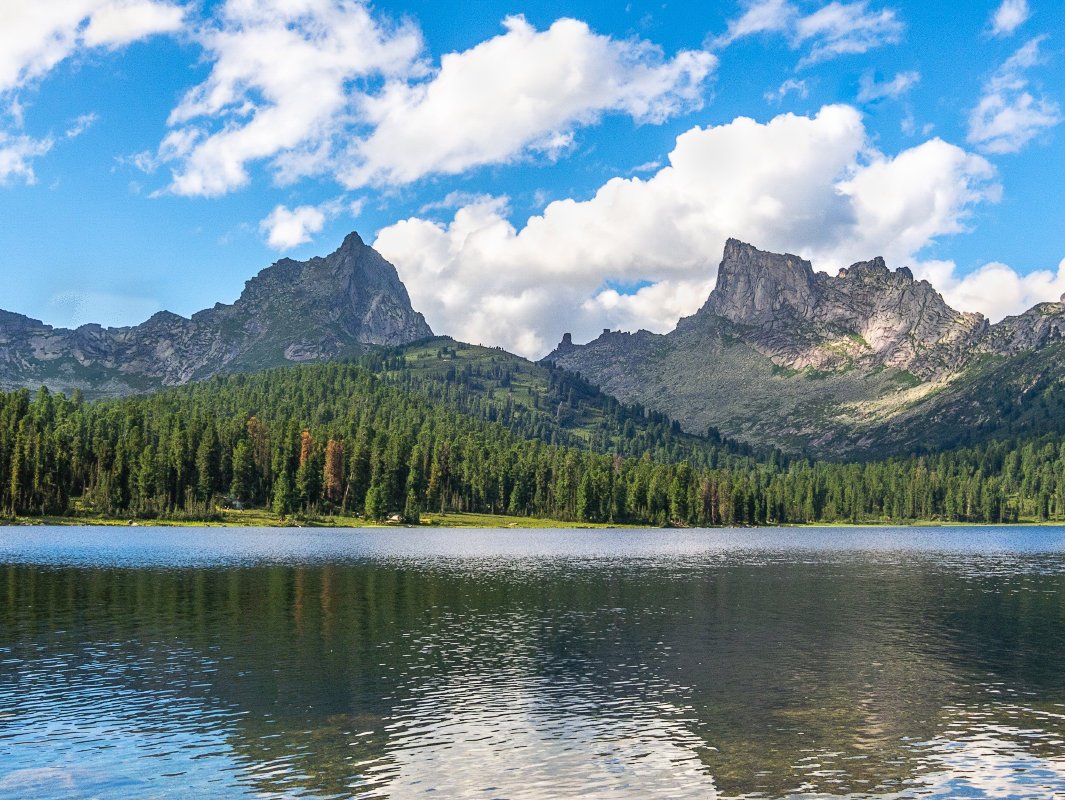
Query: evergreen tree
(283, 499)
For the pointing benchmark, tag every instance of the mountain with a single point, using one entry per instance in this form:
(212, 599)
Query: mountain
(337, 438)
(542, 402)
(292, 311)
(869, 361)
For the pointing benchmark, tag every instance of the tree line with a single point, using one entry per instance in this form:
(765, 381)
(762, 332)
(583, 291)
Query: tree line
(337, 438)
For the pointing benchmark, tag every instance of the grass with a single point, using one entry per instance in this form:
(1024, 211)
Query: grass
(261, 518)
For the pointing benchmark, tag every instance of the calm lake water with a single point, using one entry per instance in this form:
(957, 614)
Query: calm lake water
(888, 663)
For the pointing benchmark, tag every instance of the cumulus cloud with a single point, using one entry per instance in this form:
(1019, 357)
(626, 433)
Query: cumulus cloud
(656, 307)
(279, 88)
(812, 185)
(835, 29)
(995, 290)
(870, 89)
(323, 87)
(524, 90)
(1008, 116)
(36, 36)
(1009, 16)
(286, 227)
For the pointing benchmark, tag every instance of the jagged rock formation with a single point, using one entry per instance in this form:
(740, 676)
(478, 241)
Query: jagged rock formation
(868, 316)
(1037, 327)
(290, 312)
(784, 355)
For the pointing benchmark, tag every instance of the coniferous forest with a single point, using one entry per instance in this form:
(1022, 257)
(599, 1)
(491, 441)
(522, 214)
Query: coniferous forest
(366, 439)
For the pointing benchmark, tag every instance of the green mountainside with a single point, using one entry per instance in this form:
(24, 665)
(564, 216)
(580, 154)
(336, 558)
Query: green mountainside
(539, 401)
(742, 415)
(865, 364)
(339, 439)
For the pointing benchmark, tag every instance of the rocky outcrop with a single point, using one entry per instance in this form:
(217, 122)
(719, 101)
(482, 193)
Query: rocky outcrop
(292, 311)
(1035, 328)
(867, 316)
(786, 355)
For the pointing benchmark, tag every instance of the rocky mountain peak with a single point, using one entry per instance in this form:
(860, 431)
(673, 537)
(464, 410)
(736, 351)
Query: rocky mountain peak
(352, 242)
(782, 353)
(867, 315)
(755, 287)
(322, 308)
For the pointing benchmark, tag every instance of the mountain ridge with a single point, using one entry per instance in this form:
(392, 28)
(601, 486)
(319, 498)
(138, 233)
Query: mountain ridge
(290, 312)
(780, 354)
(866, 362)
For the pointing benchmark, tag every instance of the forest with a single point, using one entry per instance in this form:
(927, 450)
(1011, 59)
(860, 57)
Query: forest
(330, 439)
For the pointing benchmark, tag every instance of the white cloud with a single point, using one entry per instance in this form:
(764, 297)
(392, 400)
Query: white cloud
(286, 227)
(1009, 16)
(646, 166)
(870, 89)
(1008, 115)
(524, 90)
(35, 36)
(846, 29)
(787, 87)
(121, 22)
(656, 307)
(16, 157)
(315, 87)
(280, 88)
(899, 204)
(80, 125)
(811, 185)
(833, 30)
(760, 16)
(995, 290)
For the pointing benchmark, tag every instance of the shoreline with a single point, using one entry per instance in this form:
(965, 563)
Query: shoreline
(256, 519)
(259, 519)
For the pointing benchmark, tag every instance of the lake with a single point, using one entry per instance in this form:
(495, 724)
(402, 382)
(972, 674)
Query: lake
(828, 663)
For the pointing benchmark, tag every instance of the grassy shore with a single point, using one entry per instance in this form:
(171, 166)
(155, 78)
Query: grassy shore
(260, 518)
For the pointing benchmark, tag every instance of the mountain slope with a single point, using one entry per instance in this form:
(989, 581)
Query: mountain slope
(337, 438)
(292, 311)
(867, 362)
(542, 402)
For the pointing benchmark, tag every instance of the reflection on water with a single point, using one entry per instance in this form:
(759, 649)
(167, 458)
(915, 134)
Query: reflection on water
(724, 664)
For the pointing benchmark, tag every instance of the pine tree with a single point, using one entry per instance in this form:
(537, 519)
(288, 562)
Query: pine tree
(283, 500)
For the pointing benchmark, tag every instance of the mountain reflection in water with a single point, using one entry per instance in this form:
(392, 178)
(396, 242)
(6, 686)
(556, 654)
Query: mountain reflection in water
(514, 664)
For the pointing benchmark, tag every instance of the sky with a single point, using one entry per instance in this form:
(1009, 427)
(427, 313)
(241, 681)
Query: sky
(531, 168)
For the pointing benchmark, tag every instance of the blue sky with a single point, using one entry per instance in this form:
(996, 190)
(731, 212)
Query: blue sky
(529, 168)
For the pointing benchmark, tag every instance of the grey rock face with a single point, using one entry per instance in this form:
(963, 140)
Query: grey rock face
(290, 312)
(785, 355)
(866, 317)
(1035, 328)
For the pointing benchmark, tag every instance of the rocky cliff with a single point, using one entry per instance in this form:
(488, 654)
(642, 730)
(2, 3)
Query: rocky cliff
(290, 312)
(867, 316)
(832, 364)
